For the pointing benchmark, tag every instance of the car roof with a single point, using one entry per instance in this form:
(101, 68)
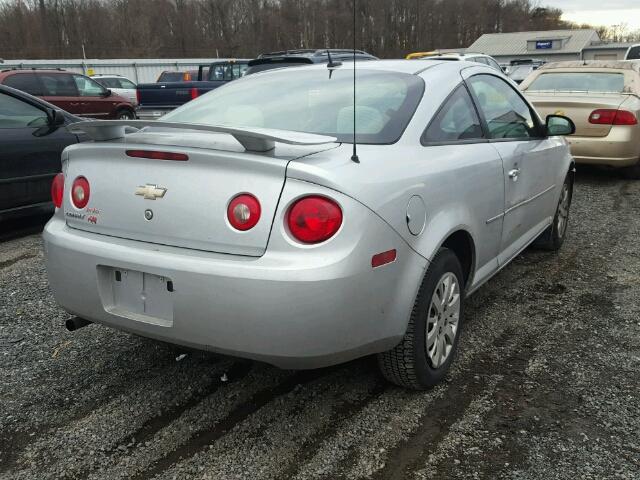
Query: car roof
(587, 64)
(12, 71)
(411, 67)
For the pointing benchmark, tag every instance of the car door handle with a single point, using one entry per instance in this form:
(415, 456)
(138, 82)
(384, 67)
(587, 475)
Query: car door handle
(514, 174)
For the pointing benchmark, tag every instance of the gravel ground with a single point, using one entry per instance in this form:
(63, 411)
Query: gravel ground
(545, 386)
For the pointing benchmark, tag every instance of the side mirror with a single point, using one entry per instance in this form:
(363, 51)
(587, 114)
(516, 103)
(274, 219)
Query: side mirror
(56, 118)
(106, 93)
(559, 125)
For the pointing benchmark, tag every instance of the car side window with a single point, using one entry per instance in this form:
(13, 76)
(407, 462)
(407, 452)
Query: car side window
(506, 113)
(456, 121)
(108, 82)
(480, 60)
(58, 85)
(15, 113)
(87, 87)
(27, 82)
(492, 63)
(124, 83)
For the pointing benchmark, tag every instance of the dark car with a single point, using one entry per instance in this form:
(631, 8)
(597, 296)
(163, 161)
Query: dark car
(156, 99)
(296, 58)
(75, 93)
(32, 137)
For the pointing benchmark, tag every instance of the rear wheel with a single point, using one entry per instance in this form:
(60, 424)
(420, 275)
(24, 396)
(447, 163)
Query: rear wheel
(424, 355)
(125, 114)
(553, 237)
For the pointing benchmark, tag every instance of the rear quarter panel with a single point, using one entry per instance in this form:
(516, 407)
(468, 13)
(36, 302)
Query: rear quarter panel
(461, 186)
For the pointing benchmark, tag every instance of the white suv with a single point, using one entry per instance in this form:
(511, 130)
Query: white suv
(468, 57)
(119, 85)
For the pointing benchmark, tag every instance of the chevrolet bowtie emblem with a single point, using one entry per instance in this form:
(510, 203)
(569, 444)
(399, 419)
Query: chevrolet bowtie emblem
(151, 192)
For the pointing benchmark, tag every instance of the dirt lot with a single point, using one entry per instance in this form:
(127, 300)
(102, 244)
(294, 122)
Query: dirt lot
(546, 385)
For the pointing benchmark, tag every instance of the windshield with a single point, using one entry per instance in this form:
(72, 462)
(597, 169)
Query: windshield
(579, 82)
(313, 101)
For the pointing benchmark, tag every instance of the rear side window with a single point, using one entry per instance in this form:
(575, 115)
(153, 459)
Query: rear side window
(578, 82)
(108, 82)
(456, 121)
(634, 53)
(27, 82)
(58, 85)
(124, 83)
(506, 113)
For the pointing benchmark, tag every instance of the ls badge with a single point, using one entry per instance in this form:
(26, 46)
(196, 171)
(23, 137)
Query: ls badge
(151, 192)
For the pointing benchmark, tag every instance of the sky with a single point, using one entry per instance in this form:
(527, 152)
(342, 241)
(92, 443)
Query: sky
(595, 12)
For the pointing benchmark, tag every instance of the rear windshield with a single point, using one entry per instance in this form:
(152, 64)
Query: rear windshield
(314, 101)
(171, 77)
(634, 53)
(578, 82)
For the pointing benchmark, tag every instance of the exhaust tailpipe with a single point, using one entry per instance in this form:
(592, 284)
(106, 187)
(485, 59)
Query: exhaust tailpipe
(75, 323)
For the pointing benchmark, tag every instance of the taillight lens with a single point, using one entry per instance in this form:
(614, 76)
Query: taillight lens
(314, 219)
(80, 192)
(57, 190)
(137, 96)
(243, 212)
(606, 116)
(194, 93)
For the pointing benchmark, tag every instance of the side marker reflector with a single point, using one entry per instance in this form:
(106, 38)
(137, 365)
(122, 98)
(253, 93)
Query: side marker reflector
(383, 258)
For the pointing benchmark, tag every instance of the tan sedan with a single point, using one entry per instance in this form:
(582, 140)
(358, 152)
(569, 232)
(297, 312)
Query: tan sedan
(603, 100)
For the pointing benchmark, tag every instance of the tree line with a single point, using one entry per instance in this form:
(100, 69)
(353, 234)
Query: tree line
(49, 29)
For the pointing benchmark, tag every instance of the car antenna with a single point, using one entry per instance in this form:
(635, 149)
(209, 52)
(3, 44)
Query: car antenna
(354, 157)
(331, 63)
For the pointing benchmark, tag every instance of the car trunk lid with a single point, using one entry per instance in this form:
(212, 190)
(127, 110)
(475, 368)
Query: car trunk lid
(578, 107)
(178, 203)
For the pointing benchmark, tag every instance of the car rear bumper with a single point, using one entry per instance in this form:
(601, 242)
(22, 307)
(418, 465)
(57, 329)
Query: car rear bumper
(297, 311)
(621, 148)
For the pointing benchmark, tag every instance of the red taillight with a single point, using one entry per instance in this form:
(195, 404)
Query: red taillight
(57, 190)
(383, 258)
(80, 192)
(243, 212)
(137, 96)
(194, 93)
(606, 116)
(155, 155)
(314, 219)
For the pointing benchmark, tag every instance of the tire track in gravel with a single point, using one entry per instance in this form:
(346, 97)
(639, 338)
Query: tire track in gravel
(283, 427)
(238, 414)
(106, 427)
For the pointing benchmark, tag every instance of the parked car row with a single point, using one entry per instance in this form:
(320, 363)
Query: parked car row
(283, 184)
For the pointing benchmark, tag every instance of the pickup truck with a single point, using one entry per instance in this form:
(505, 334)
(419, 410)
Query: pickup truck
(156, 99)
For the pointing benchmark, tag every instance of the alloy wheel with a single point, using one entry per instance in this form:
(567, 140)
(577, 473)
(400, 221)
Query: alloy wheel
(442, 319)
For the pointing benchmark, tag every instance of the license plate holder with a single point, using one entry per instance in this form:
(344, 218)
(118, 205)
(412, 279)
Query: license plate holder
(140, 296)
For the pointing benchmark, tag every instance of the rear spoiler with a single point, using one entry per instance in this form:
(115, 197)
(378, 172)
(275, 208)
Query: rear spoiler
(252, 139)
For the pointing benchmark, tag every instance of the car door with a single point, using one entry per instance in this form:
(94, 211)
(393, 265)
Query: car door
(529, 160)
(60, 89)
(469, 179)
(95, 101)
(29, 153)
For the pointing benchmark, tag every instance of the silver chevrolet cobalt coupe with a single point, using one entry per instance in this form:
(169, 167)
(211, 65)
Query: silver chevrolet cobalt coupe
(242, 223)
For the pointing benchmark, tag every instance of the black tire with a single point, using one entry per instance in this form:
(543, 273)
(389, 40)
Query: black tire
(125, 114)
(632, 172)
(408, 364)
(553, 237)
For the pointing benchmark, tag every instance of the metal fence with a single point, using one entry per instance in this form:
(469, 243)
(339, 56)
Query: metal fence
(138, 70)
